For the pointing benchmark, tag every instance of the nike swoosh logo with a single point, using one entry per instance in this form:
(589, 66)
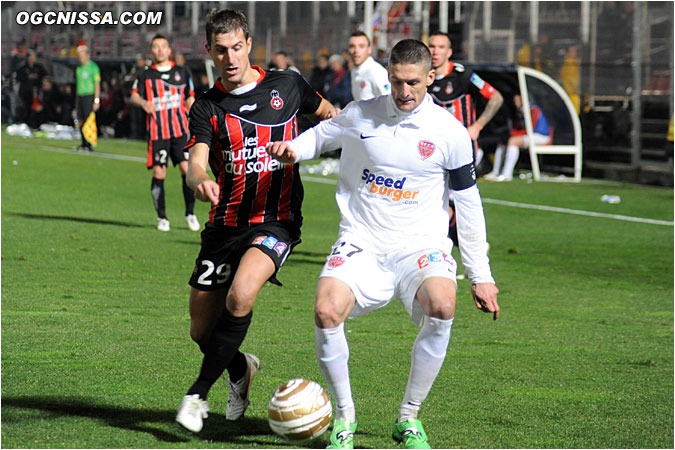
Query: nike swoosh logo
(366, 137)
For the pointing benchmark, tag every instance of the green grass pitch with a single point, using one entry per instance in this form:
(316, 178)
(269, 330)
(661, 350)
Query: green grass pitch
(96, 351)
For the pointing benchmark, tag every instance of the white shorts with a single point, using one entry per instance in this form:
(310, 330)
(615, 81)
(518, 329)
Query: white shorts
(375, 278)
(539, 139)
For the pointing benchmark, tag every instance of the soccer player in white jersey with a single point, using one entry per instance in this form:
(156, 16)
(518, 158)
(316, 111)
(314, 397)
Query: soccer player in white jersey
(398, 152)
(369, 78)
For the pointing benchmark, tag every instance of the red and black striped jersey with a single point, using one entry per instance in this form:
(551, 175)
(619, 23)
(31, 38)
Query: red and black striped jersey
(456, 92)
(168, 90)
(254, 187)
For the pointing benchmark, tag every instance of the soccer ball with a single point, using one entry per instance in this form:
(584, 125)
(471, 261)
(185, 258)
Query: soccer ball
(300, 409)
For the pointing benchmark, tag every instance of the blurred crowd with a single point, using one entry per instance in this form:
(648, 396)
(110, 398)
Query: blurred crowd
(31, 95)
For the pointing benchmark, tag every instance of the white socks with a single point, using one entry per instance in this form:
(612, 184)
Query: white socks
(428, 353)
(479, 156)
(427, 358)
(332, 354)
(499, 156)
(512, 154)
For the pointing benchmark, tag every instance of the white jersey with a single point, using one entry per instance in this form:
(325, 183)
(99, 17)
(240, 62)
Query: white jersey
(393, 182)
(369, 80)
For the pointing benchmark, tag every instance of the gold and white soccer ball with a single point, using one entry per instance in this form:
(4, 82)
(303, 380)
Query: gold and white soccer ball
(300, 409)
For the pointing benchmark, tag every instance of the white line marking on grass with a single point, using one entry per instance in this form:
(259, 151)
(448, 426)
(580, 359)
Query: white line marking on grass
(577, 212)
(319, 180)
(97, 154)
(485, 200)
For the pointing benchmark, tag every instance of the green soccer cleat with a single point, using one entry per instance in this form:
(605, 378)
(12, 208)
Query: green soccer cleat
(411, 433)
(342, 435)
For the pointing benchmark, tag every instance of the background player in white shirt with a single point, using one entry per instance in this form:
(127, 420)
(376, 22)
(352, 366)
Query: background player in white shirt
(369, 78)
(398, 152)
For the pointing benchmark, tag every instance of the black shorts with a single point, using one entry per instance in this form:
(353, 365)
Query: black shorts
(161, 150)
(84, 105)
(223, 247)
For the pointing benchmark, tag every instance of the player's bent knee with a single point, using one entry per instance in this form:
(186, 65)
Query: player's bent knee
(240, 299)
(198, 333)
(442, 308)
(444, 311)
(326, 315)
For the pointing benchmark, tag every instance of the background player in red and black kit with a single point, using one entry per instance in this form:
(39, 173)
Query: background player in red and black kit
(255, 216)
(456, 88)
(165, 91)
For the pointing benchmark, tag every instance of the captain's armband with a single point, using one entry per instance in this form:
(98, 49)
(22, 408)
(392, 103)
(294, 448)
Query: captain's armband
(463, 177)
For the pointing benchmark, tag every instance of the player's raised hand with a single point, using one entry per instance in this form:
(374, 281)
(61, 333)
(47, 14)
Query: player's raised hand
(485, 296)
(282, 152)
(208, 191)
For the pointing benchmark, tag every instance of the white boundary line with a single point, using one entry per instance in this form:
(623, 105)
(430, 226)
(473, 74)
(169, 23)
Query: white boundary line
(97, 154)
(578, 212)
(485, 200)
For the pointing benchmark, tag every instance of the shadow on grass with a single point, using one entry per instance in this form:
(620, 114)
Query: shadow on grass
(77, 219)
(160, 424)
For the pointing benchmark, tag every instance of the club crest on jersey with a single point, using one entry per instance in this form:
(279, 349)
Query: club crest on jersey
(277, 102)
(449, 89)
(426, 148)
(176, 76)
(335, 261)
(363, 84)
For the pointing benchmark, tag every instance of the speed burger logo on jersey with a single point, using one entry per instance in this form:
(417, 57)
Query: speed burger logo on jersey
(426, 148)
(387, 187)
(277, 102)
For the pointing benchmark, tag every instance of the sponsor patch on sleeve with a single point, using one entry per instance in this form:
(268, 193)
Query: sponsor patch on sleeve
(478, 81)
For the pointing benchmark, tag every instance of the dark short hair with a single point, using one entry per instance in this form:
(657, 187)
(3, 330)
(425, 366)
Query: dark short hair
(225, 21)
(158, 36)
(410, 51)
(441, 33)
(360, 33)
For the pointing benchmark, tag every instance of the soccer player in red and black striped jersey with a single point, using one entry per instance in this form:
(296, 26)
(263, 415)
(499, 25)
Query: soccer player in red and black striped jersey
(165, 91)
(455, 88)
(255, 216)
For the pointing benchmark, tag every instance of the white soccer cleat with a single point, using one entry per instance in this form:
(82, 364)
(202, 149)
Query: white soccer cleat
(503, 178)
(192, 412)
(163, 225)
(490, 176)
(238, 401)
(192, 222)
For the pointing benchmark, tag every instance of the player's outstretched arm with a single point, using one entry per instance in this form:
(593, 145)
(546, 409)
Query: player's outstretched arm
(198, 179)
(485, 296)
(326, 110)
(282, 152)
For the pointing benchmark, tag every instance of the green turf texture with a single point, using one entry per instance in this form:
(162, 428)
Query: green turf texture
(95, 326)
